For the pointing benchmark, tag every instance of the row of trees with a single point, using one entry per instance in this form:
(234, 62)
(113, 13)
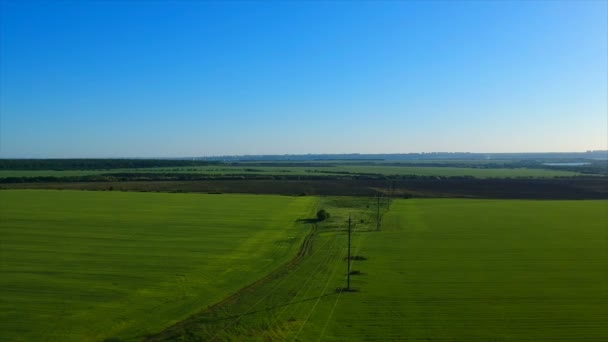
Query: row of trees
(95, 164)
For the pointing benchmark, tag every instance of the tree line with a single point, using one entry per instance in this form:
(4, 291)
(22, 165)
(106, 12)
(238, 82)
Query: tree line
(95, 164)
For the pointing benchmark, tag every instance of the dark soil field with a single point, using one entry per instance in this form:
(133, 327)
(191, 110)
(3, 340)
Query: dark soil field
(552, 188)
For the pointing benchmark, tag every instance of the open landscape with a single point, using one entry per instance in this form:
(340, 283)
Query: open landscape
(82, 266)
(304, 171)
(241, 267)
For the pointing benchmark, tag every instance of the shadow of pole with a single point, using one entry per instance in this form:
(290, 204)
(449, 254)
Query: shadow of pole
(269, 308)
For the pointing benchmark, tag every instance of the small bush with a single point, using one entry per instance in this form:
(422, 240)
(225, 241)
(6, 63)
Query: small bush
(322, 215)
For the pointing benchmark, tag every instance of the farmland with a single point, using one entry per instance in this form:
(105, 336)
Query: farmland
(453, 178)
(80, 266)
(480, 271)
(334, 170)
(437, 270)
(303, 171)
(163, 267)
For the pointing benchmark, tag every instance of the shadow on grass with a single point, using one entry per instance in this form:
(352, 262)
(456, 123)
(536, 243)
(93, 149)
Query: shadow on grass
(268, 308)
(308, 220)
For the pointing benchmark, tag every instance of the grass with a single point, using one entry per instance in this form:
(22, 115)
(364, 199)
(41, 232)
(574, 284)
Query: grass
(92, 265)
(438, 270)
(459, 270)
(85, 266)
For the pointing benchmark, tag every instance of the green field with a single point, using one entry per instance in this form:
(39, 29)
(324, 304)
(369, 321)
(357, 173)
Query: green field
(455, 171)
(85, 266)
(330, 170)
(439, 270)
(454, 270)
(93, 265)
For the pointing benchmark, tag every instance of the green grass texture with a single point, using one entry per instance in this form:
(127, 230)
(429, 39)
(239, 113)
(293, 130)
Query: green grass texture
(437, 270)
(478, 270)
(86, 266)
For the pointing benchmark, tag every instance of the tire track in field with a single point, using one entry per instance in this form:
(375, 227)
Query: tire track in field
(312, 275)
(319, 274)
(307, 245)
(305, 248)
(329, 279)
(331, 313)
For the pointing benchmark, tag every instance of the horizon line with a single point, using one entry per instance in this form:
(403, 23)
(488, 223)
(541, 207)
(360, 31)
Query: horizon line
(313, 154)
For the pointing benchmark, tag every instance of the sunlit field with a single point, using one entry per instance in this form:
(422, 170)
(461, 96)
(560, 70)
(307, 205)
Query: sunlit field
(85, 266)
(437, 270)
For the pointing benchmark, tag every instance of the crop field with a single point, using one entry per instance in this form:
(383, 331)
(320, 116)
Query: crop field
(329, 170)
(86, 266)
(458, 270)
(164, 267)
(454, 171)
(438, 270)
(368, 169)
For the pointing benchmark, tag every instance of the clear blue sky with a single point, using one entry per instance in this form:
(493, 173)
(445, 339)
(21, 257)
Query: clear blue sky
(169, 79)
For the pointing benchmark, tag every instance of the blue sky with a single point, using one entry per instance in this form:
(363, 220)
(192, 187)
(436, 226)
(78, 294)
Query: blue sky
(171, 79)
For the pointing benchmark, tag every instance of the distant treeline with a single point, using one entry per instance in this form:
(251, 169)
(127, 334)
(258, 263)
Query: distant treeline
(415, 156)
(280, 164)
(94, 164)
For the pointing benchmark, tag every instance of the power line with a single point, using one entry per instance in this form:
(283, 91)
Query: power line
(348, 259)
(378, 212)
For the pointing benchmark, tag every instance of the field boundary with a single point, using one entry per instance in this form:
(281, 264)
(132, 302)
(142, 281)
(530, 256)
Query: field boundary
(303, 251)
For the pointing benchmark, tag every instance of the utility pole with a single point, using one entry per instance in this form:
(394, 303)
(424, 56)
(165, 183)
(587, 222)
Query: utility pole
(391, 194)
(378, 213)
(348, 258)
